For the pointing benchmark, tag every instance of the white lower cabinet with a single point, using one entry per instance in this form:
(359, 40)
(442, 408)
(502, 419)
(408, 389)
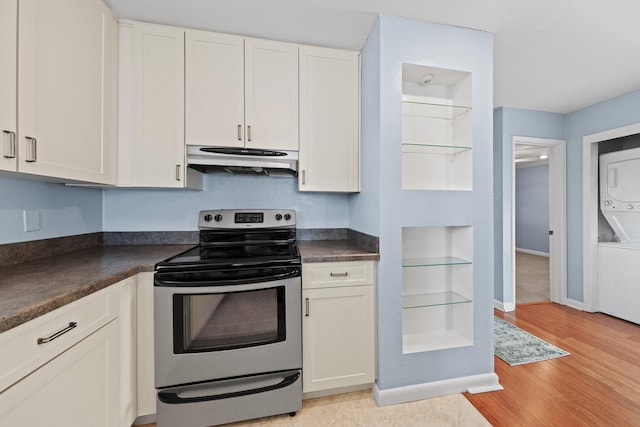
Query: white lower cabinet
(71, 379)
(97, 371)
(338, 326)
(77, 388)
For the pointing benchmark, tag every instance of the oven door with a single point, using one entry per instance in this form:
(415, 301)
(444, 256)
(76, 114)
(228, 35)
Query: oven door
(206, 331)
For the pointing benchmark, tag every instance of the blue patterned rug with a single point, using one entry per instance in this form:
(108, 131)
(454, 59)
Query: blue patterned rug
(517, 347)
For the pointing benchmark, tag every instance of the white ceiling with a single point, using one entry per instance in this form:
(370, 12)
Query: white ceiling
(529, 155)
(550, 55)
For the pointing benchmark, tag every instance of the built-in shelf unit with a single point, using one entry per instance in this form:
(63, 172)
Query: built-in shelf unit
(437, 280)
(436, 129)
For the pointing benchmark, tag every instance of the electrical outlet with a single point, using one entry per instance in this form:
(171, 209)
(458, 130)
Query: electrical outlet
(31, 220)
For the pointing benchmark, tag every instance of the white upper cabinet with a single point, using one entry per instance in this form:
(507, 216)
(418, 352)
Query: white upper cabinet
(329, 120)
(271, 95)
(151, 150)
(241, 92)
(67, 89)
(8, 81)
(215, 89)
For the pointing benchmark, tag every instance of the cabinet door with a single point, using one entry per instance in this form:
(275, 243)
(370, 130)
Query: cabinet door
(151, 132)
(271, 95)
(77, 388)
(338, 337)
(8, 81)
(214, 89)
(145, 346)
(329, 120)
(66, 89)
(127, 318)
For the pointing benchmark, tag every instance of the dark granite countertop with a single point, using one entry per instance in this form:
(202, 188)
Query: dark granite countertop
(334, 250)
(31, 289)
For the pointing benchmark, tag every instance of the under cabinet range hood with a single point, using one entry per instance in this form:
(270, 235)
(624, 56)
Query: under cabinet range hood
(245, 161)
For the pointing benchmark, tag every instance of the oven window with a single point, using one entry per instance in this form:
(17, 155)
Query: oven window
(224, 321)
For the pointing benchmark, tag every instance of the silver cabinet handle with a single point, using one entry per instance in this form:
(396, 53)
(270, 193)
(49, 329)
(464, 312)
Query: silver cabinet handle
(304, 177)
(306, 307)
(239, 132)
(9, 138)
(178, 176)
(345, 274)
(249, 133)
(33, 151)
(55, 335)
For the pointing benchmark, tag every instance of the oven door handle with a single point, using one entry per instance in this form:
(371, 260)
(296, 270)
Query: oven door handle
(174, 399)
(165, 279)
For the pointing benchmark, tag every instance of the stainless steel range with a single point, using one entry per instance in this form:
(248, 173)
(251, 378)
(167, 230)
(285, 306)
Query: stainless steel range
(228, 343)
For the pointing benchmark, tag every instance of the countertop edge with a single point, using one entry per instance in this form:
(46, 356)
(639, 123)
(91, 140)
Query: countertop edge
(48, 305)
(316, 252)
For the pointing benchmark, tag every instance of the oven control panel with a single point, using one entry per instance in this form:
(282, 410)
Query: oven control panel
(246, 218)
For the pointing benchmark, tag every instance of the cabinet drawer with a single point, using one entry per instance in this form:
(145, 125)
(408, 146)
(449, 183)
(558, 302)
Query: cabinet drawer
(332, 274)
(20, 352)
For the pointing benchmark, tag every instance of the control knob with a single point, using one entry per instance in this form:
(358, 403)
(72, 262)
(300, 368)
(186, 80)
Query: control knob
(208, 218)
(629, 206)
(218, 217)
(607, 202)
(278, 217)
(287, 217)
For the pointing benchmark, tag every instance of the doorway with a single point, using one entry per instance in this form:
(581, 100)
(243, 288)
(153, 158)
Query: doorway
(531, 149)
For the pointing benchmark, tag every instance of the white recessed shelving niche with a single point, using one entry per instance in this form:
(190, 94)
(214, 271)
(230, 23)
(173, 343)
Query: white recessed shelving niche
(436, 129)
(437, 288)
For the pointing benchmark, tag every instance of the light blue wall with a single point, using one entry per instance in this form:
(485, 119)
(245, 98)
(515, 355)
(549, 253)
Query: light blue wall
(532, 208)
(614, 113)
(365, 206)
(64, 211)
(395, 41)
(510, 122)
(177, 210)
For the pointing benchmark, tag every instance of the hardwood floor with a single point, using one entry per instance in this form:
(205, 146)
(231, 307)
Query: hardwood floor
(597, 385)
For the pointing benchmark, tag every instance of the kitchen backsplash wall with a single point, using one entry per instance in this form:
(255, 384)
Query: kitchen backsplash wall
(177, 210)
(55, 210)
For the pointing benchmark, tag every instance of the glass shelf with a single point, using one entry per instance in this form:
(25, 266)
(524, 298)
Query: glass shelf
(433, 299)
(433, 261)
(440, 111)
(416, 148)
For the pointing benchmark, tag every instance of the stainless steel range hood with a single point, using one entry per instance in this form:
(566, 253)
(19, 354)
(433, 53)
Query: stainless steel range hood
(242, 160)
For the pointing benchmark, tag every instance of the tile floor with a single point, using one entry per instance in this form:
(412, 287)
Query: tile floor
(358, 409)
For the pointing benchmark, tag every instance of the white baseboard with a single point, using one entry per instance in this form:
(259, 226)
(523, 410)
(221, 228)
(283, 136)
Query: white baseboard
(473, 384)
(575, 304)
(504, 306)
(529, 251)
(331, 392)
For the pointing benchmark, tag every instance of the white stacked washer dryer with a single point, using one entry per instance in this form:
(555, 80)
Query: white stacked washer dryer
(619, 261)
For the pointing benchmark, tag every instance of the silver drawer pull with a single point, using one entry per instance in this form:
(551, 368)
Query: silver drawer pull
(34, 149)
(9, 138)
(306, 306)
(57, 334)
(345, 274)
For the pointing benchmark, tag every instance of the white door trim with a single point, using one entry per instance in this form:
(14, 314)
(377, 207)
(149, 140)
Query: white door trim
(557, 216)
(590, 208)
